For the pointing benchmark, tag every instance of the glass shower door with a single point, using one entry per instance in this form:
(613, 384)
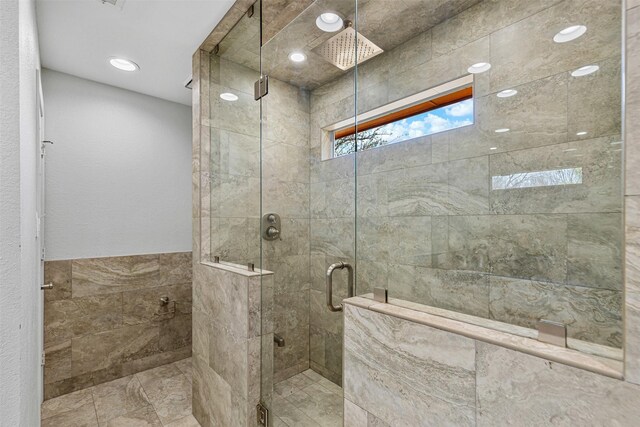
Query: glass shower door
(309, 189)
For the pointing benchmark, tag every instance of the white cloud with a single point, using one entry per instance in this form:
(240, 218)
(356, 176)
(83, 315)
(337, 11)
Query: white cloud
(428, 123)
(460, 109)
(437, 123)
(395, 131)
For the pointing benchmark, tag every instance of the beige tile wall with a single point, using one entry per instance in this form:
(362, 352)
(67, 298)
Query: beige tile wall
(230, 342)
(431, 228)
(398, 372)
(232, 212)
(511, 387)
(104, 320)
(285, 184)
(447, 247)
(231, 182)
(632, 193)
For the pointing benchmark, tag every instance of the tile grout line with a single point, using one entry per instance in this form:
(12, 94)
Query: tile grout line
(181, 373)
(302, 390)
(155, 411)
(95, 408)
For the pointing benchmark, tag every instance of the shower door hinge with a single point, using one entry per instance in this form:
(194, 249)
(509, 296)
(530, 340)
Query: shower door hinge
(42, 357)
(261, 87)
(263, 414)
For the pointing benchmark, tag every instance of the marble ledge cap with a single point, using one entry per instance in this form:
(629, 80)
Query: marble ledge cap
(566, 356)
(237, 268)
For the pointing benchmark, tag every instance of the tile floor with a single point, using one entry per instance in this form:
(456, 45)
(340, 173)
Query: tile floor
(159, 397)
(307, 399)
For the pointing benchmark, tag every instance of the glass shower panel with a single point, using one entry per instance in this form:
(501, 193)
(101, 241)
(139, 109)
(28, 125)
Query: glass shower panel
(234, 157)
(313, 194)
(470, 163)
(502, 200)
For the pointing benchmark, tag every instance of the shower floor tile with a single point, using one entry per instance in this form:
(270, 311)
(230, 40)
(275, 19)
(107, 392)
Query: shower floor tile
(307, 399)
(157, 397)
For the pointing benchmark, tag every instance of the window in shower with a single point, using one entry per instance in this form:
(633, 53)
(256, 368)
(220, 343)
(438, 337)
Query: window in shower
(410, 120)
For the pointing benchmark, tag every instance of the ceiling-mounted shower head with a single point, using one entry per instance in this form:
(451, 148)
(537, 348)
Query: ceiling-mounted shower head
(340, 50)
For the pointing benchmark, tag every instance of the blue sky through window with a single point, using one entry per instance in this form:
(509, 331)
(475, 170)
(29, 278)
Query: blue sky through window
(438, 120)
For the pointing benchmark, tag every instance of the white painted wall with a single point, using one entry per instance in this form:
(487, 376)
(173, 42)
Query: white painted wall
(119, 173)
(20, 310)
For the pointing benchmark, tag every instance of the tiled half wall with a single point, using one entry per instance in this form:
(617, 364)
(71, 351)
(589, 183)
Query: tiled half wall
(104, 319)
(400, 372)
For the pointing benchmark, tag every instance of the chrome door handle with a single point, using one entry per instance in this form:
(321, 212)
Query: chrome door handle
(47, 286)
(332, 268)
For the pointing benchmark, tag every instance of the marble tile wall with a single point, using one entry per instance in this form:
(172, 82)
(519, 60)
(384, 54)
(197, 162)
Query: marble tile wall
(235, 13)
(235, 195)
(229, 337)
(398, 372)
(244, 179)
(432, 227)
(443, 387)
(232, 339)
(333, 233)
(632, 193)
(104, 320)
(231, 182)
(285, 191)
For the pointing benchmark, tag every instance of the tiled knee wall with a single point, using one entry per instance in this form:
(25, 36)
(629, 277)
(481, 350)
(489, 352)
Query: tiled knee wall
(400, 372)
(104, 319)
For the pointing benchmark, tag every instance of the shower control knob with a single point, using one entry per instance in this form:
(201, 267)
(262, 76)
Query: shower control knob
(273, 232)
(270, 226)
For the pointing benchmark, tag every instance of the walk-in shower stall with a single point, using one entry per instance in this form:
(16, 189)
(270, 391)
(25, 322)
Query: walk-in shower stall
(463, 155)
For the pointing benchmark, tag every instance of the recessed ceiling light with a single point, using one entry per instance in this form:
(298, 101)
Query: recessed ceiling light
(586, 70)
(493, 148)
(581, 133)
(502, 130)
(570, 149)
(480, 67)
(124, 64)
(506, 93)
(228, 96)
(329, 17)
(329, 22)
(297, 56)
(570, 33)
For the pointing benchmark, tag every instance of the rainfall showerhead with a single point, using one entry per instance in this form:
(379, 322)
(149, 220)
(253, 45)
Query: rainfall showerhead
(340, 50)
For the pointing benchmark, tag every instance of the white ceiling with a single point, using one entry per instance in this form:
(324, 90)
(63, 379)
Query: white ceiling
(79, 36)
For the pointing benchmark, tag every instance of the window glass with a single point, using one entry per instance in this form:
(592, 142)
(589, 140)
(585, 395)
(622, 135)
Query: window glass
(433, 121)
